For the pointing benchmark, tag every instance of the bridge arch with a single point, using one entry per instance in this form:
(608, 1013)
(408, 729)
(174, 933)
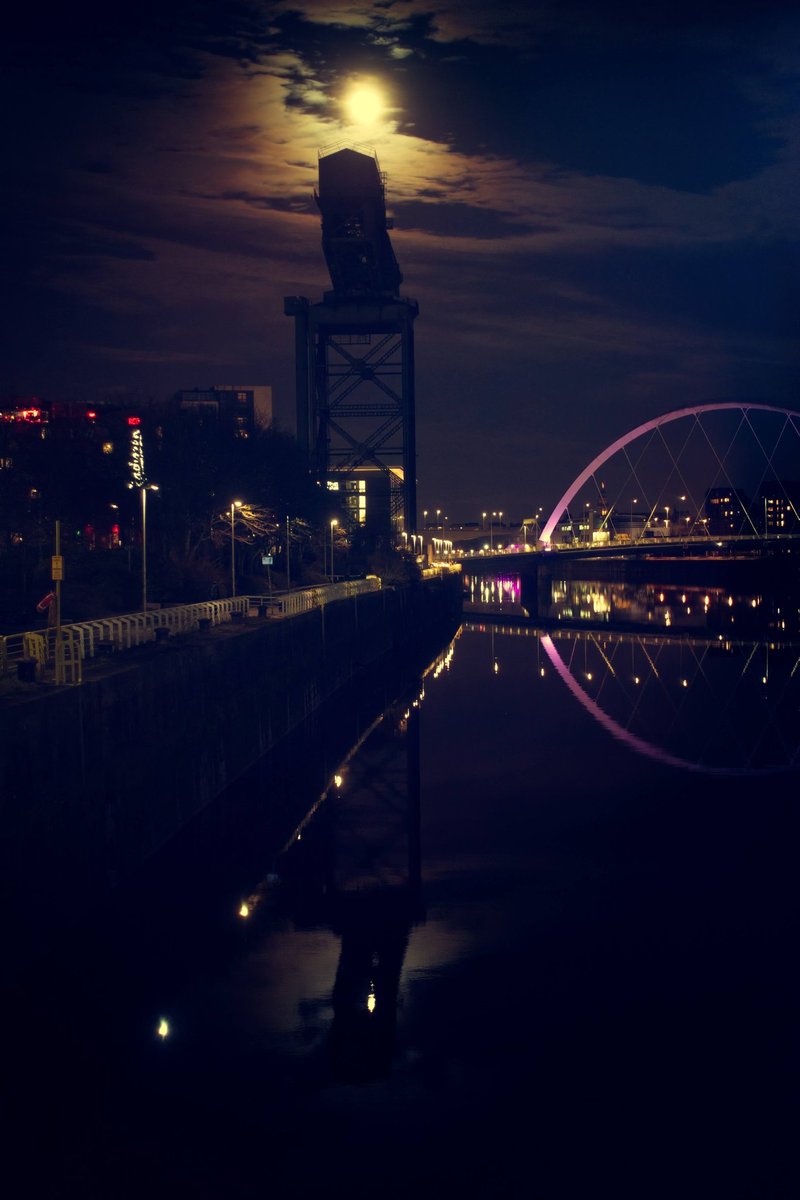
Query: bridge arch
(697, 411)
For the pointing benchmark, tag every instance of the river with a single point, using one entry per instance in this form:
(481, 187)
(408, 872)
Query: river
(524, 925)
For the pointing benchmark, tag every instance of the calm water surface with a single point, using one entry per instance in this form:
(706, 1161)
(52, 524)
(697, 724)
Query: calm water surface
(531, 932)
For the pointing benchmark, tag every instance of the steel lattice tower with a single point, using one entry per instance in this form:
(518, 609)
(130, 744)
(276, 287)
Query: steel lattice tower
(355, 349)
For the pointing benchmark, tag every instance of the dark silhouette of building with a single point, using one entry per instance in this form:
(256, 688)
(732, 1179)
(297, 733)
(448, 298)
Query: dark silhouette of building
(354, 351)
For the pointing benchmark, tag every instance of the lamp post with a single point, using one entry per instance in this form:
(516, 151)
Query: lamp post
(288, 557)
(139, 480)
(148, 487)
(334, 523)
(234, 505)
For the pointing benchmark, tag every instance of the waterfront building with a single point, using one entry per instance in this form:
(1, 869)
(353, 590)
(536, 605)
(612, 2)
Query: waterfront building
(244, 408)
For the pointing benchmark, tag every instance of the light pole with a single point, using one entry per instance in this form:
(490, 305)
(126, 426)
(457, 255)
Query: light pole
(139, 480)
(334, 523)
(234, 505)
(438, 515)
(147, 487)
(288, 557)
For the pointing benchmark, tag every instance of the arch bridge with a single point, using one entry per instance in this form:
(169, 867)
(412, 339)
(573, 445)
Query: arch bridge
(722, 472)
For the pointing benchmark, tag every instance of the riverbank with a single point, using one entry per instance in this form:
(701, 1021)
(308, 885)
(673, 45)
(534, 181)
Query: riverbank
(94, 779)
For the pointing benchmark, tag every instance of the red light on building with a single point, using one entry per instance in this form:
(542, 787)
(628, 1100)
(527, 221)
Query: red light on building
(134, 420)
(29, 414)
(91, 415)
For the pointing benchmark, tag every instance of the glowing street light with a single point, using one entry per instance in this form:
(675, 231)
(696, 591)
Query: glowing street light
(234, 505)
(334, 523)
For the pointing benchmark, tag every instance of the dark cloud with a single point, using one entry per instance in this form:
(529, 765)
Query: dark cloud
(290, 204)
(461, 220)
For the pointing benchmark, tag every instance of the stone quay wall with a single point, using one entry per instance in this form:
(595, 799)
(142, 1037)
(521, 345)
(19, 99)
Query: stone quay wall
(95, 778)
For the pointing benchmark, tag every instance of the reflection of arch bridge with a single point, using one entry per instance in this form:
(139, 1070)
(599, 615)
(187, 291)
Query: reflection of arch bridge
(720, 471)
(707, 705)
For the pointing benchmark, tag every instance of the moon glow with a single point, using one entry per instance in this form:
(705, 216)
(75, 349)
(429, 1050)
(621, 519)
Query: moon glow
(364, 104)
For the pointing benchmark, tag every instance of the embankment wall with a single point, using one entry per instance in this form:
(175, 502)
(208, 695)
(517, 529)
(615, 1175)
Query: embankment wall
(95, 778)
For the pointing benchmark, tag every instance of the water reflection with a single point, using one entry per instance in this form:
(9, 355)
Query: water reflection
(501, 593)
(686, 607)
(356, 868)
(679, 606)
(712, 705)
(353, 866)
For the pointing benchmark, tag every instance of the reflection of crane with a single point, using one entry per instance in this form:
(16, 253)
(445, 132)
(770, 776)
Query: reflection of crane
(357, 868)
(354, 352)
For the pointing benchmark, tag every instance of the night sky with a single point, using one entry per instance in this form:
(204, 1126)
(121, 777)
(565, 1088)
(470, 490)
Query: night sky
(596, 206)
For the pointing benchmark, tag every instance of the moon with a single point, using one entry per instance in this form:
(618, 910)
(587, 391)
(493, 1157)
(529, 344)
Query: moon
(364, 104)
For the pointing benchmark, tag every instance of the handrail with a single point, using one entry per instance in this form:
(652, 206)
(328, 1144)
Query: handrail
(86, 639)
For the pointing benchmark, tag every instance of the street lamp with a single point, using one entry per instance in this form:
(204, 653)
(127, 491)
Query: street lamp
(438, 514)
(334, 523)
(139, 480)
(288, 556)
(234, 505)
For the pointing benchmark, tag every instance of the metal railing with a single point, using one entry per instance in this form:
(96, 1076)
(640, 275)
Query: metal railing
(289, 604)
(88, 639)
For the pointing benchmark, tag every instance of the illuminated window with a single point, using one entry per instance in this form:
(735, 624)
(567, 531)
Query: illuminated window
(108, 447)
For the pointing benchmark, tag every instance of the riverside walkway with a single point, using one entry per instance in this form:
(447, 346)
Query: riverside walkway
(42, 656)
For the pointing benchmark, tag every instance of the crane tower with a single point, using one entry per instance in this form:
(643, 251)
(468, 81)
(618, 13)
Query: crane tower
(354, 353)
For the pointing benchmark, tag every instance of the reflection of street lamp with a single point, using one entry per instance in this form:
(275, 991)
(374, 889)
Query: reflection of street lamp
(334, 523)
(234, 505)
